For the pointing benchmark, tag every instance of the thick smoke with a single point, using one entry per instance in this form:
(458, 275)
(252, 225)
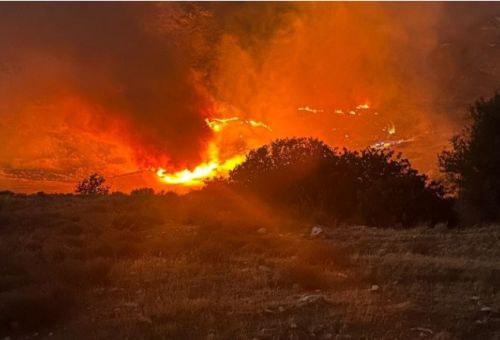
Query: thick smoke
(129, 64)
(123, 87)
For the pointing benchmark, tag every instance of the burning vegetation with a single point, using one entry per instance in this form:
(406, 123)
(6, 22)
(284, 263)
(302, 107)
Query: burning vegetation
(227, 77)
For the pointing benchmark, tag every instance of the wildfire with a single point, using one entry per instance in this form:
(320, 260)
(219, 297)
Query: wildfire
(390, 143)
(391, 129)
(218, 124)
(213, 166)
(206, 170)
(309, 109)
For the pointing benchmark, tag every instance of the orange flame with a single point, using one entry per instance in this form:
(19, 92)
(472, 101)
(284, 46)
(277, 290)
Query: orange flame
(202, 172)
(213, 166)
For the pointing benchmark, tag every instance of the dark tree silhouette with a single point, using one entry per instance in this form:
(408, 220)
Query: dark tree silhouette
(143, 192)
(472, 165)
(92, 185)
(374, 187)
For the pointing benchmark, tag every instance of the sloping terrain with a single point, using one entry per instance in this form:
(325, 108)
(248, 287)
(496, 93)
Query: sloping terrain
(138, 268)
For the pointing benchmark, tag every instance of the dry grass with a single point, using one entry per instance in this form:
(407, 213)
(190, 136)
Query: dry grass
(141, 269)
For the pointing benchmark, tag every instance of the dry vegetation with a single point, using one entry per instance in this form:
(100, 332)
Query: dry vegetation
(161, 267)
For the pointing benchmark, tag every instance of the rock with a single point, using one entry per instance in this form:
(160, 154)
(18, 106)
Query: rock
(7, 338)
(423, 330)
(50, 334)
(485, 309)
(262, 230)
(375, 288)
(317, 231)
(308, 299)
(293, 325)
(281, 309)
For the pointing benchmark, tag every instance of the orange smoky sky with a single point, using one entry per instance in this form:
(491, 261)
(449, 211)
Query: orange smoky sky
(126, 88)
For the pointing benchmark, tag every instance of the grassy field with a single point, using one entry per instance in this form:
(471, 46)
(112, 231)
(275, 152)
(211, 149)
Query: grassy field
(162, 268)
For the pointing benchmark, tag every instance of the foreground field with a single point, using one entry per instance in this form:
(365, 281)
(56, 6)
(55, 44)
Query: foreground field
(161, 268)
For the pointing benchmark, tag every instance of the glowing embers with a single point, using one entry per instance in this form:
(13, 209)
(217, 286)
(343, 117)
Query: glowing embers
(384, 144)
(218, 124)
(354, 111)
(391, 128)
(309, 109)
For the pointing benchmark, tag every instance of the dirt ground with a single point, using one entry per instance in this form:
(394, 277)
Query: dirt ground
(124, 268)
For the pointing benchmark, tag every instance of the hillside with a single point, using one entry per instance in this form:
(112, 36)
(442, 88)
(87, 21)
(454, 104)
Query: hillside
(139, 268)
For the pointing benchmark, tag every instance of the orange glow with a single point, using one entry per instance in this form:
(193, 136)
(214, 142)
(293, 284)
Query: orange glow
(391, 129)
(212, 166)
(351, 75)
(255, 123)
(206, 170)
(217, 124)
(363, 107)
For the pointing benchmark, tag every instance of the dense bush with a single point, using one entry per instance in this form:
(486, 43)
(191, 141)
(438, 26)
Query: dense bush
(373, 187)
(92, 185)
(142, 192)
(473, 163)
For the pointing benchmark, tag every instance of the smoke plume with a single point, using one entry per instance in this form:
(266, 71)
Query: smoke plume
(120, 88)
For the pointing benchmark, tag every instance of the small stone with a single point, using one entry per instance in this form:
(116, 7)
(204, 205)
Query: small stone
(262, 230)
(423, 330)
(7, 338)
(281, 309)
(50, 334)
(316, 231)
(486, 309)
(375, 288)
(293, 325)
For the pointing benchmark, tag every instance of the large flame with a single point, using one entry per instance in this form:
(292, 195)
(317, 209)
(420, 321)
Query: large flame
(213, 166)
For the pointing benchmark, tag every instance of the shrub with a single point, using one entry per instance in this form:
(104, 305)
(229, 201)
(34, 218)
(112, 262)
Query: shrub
(92, 185)
(472, 165)
(142, 192)
(34, 308)
(373, 187)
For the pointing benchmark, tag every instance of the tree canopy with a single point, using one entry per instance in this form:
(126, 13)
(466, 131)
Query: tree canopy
(373, 187)
(472, 165)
